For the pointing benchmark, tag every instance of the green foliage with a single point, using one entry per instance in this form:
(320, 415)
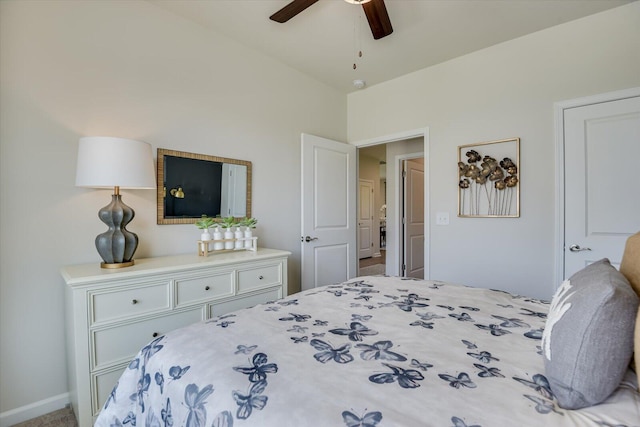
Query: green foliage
(204, 222)
(228, 222)
(249, 222)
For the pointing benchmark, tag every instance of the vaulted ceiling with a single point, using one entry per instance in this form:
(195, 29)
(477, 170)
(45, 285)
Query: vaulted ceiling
(323, 41)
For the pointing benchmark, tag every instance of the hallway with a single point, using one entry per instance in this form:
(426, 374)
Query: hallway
(373, 265)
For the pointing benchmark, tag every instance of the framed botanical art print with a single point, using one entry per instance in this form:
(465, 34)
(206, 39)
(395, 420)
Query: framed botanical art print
(489, 179)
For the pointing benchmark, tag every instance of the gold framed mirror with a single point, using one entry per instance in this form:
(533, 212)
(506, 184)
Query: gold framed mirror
(191, 185)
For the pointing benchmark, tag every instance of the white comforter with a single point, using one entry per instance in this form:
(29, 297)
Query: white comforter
(375, 351)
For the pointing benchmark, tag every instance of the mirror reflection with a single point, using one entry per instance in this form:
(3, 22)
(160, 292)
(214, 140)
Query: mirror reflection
(191, 185)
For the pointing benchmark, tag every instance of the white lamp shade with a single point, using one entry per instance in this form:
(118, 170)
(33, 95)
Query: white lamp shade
(105, 162)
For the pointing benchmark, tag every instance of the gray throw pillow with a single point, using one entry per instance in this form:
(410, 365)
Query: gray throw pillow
(588, 337)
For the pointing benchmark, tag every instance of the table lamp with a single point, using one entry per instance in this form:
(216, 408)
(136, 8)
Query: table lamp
(108, 162)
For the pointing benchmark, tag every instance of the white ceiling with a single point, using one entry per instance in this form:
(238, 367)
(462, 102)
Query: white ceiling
(323, 40)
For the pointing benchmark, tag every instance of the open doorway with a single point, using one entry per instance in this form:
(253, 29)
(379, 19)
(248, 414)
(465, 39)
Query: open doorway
(382, 164)
(372, 210)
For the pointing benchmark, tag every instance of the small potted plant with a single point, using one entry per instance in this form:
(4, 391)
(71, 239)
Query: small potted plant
(204, 223)
(227, 223)
(249, 224)
(218, 244)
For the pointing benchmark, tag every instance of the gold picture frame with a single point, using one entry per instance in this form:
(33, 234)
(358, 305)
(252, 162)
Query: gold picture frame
(164, 192)
(489, 179)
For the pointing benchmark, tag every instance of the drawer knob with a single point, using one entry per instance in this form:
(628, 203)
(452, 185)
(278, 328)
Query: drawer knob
(260, 277)
(134, 301)
(206, 288)
(155, 334)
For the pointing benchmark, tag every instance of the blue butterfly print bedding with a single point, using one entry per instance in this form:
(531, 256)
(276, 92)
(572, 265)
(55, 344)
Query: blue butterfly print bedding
(373, 351)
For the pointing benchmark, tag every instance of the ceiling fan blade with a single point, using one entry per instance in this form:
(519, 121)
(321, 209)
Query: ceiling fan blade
(291, 10)
(378, 18)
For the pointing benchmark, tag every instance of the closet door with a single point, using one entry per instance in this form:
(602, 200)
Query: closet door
(602, 148)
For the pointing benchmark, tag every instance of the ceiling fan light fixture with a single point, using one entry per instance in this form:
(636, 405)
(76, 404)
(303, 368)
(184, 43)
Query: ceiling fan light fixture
(374, 10)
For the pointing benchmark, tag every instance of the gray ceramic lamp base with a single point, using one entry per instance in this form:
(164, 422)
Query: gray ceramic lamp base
(117, 245)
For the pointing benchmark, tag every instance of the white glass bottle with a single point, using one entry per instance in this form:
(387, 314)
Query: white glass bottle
(217, 239)
(248, 234)
(238, 244)
(228, 236)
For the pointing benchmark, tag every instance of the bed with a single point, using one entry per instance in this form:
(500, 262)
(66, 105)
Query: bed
(373, 351)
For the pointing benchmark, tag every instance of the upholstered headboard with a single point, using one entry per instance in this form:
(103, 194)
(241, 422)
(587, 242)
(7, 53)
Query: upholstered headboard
(630, 268)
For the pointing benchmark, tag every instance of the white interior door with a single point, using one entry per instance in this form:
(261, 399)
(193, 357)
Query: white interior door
(328, 211)
(365, 219)
(602, 150)
(413, 173)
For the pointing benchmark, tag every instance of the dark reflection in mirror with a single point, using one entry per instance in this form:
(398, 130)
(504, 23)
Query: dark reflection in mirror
(194, 187)
(191, 185)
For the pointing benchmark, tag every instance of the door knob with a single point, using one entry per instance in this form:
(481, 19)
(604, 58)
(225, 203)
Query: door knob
(309, 238)
(577, 248)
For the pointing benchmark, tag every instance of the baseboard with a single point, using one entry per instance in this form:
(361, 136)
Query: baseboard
(33, 410)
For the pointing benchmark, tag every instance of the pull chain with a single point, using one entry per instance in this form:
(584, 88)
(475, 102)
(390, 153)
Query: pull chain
(356, 38)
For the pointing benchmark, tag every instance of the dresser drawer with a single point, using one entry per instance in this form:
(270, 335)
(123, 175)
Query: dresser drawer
(245, 302)
(259, 277)
(201, 288)
(121, 343)
(102, 385)
(129, 302)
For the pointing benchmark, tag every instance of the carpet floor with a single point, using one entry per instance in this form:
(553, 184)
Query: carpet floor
(373, 265)
(61, 418)
(372, 270)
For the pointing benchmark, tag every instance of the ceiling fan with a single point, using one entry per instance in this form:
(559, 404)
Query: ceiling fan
(375, 10)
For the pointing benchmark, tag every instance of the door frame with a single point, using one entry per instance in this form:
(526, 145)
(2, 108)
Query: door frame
(559, 109)
(401, 136)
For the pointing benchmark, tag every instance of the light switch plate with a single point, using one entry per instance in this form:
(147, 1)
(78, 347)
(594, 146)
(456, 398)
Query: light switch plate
(442, 218)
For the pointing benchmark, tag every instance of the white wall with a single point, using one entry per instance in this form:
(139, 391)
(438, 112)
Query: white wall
(130, 69)
(504, 91)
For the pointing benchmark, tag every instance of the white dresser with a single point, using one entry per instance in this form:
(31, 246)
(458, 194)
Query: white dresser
(111, 314)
